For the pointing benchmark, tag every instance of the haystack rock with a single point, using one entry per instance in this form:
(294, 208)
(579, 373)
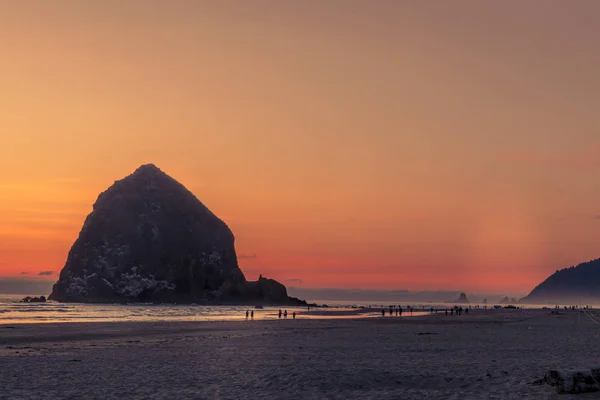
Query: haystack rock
(149, 239)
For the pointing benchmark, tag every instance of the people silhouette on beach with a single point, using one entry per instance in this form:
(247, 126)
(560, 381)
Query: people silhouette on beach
(391, 312)
(280, 313)
(294, 315)
(247, 312)
(382, 312)
(252, 314)
(446, 312)
(400, 310)
(285, 314)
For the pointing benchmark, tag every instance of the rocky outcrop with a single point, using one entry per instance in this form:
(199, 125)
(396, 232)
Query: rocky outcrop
(28, 299)
(504, 300)
(149, 239)
(574, 382)
(462, 299)
(573, 285)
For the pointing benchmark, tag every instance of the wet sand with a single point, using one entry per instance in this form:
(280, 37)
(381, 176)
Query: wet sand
(483, 355)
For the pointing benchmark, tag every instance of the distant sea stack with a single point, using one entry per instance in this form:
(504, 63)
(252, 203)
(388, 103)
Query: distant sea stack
(569, 286)
(149, 239)
(462, 299)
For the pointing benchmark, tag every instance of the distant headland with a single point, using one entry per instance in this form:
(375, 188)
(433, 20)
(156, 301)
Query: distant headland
(149, 239)
(573, 285)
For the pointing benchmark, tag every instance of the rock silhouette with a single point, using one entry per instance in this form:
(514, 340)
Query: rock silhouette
(28, 299)
(569, 286)
(462, 299)
(149, 239)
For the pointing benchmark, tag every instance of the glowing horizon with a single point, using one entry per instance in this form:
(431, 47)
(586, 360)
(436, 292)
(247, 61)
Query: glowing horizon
(386, 145)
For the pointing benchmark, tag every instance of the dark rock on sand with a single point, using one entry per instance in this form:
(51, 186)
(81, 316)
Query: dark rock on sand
(28, 299)
(149, 239)
(574, 382)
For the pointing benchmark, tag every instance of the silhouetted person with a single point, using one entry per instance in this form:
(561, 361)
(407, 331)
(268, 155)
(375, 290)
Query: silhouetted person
(446, 312)
(247, 312)
(294, 315)
(452, 311)
(252, 314)
(397, 311)
(432, 310)
(391, 312)
(382, 312)
(401, 310)
(285, 314)
(466, 310)
(280, 313)
(411, 310)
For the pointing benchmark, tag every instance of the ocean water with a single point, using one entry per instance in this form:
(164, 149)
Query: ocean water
(13, 311)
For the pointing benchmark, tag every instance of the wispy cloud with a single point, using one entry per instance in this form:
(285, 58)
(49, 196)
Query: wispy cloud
(45, 273)
(295, 280)
(24, 273)
(247, 256)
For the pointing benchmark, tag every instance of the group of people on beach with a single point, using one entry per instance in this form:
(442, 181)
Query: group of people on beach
(396, 309)
(458, 310)
(284, 313)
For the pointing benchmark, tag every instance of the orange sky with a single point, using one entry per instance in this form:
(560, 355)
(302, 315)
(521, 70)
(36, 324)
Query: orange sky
(388, 144)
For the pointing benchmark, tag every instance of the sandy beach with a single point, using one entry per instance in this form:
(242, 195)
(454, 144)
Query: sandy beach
(484, 355)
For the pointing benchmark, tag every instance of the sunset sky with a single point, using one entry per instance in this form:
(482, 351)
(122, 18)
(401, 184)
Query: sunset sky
(352, 144)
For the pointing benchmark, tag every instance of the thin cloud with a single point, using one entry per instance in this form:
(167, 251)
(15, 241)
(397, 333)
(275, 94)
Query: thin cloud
(45, 273)
(295, 280)
(24, 273)
(248, 256)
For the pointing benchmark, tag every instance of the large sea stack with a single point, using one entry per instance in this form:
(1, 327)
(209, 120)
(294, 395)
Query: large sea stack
(573, 285)
(149, 239)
